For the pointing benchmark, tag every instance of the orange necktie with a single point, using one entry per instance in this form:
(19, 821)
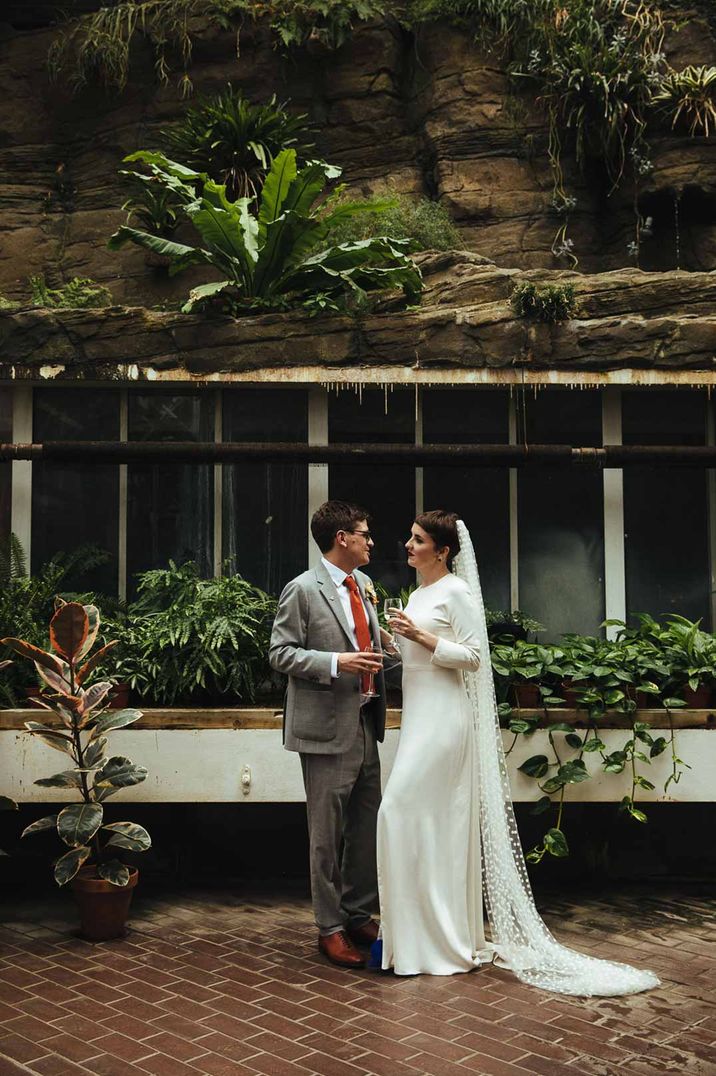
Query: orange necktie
(361, 623)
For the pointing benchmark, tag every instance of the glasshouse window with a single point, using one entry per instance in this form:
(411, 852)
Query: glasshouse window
(665, 509)
(169, 506)
(388, 494)
(76, 504)
(6, 467)
(480, 495)
(561, 525)
(266, 504)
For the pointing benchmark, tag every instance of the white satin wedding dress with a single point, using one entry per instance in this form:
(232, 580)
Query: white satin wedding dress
(447, 837)
(428, 847)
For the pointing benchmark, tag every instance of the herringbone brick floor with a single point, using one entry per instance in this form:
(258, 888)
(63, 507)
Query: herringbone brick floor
(222, 984)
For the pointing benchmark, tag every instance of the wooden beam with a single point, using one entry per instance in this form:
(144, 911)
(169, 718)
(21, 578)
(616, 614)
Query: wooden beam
(271, 718)
(120, 452)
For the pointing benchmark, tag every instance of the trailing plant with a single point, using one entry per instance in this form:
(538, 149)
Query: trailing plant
(265, 258)
(187, 639)
(645, 662)
(426, 223)
(79, 732)
(328, 23)
(550, 302)
(78, 293)
(688, 98)
(97, 46)
(234, 141)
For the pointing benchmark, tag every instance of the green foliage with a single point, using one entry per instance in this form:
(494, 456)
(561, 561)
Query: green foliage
(8, 304)
(427, 224)
(495, 617)
(650, 664)
(97, 46)
(78, 293)
(189, 639)
(327, 23)
(234, 141)
(81, 718)
(550, 302)
(270, 260)
(688, 98)
(27, 603)
(151, 204)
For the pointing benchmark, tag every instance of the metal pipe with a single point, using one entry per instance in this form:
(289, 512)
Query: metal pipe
(148, 452)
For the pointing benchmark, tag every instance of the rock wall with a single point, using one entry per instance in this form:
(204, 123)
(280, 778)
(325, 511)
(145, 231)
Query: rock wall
(420, 114)
(625, 319)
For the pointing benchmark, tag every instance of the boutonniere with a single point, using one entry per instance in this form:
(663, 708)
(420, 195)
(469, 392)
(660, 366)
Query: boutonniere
(371, 594)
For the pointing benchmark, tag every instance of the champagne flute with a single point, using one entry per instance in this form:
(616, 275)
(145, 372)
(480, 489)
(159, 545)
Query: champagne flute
(392, 605)
(370, 692)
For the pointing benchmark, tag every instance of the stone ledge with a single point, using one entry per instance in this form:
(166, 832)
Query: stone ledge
(625, 320)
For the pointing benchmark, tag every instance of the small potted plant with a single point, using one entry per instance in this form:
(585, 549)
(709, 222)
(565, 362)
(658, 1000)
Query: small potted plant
(102, 883)
(505, 627)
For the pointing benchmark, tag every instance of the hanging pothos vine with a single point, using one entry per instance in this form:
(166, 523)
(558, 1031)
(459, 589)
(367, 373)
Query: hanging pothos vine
(651, 666)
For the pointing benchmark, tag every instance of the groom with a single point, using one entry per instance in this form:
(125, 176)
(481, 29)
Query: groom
(325, 621)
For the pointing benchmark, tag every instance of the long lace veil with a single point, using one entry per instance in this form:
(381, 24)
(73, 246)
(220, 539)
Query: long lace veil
(521, 939)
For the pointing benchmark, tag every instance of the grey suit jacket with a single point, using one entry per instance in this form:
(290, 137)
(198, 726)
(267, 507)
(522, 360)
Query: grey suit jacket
(321, 714)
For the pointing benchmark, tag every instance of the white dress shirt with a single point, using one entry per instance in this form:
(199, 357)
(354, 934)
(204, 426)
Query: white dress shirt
(338, 576)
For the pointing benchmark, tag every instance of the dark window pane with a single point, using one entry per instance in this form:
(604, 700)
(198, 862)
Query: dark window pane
(6, 467)
(170, 506)
(75, 504)
(266, 504)
(480, 495)
(561, 518)
(665, 509)
(388, 492)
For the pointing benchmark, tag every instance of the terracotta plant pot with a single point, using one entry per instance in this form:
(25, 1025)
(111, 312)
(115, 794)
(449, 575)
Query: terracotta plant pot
(502, 629)
(701, 699)
(119, 697)
(103, 907)
(528, 696)
(569, 695)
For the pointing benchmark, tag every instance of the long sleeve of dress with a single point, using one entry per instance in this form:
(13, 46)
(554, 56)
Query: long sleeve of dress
(464, 653)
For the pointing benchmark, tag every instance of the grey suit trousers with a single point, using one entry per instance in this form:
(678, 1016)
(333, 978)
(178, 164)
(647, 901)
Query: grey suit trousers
(342, 801)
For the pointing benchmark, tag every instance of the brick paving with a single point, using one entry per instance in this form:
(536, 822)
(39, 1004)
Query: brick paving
(225, 984)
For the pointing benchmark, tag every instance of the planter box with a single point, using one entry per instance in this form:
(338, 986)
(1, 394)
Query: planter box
(225, 756)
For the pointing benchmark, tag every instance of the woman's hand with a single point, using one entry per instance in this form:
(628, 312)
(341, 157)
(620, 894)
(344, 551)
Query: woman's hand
(403, 625)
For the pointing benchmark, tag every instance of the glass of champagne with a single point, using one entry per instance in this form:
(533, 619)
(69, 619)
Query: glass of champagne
(392, 605)
(370, 692)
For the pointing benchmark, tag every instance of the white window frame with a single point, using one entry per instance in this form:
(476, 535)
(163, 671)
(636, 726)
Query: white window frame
(318, 476)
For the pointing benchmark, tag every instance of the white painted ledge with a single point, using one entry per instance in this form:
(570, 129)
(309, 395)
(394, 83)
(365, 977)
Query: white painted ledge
(206, 766)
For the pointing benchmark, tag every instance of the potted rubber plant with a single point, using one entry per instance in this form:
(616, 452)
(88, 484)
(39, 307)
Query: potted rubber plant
(102, 883)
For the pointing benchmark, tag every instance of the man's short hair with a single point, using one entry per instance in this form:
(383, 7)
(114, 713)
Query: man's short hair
(334, 516)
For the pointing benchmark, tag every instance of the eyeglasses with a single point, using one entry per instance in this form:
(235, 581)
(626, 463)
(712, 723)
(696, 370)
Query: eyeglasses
(361, 534)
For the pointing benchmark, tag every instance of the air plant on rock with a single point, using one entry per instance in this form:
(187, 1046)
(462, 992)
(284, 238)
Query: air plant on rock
(79, 731)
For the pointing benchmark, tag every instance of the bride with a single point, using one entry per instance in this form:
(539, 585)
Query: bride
(447, 838)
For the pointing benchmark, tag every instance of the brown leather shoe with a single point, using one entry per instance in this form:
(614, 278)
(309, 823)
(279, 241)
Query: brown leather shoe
(340, 950)
(365, 934)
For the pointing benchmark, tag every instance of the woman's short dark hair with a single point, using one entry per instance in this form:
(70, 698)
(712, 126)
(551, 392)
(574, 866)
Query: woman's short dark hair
(334, 516)
(442, 528)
